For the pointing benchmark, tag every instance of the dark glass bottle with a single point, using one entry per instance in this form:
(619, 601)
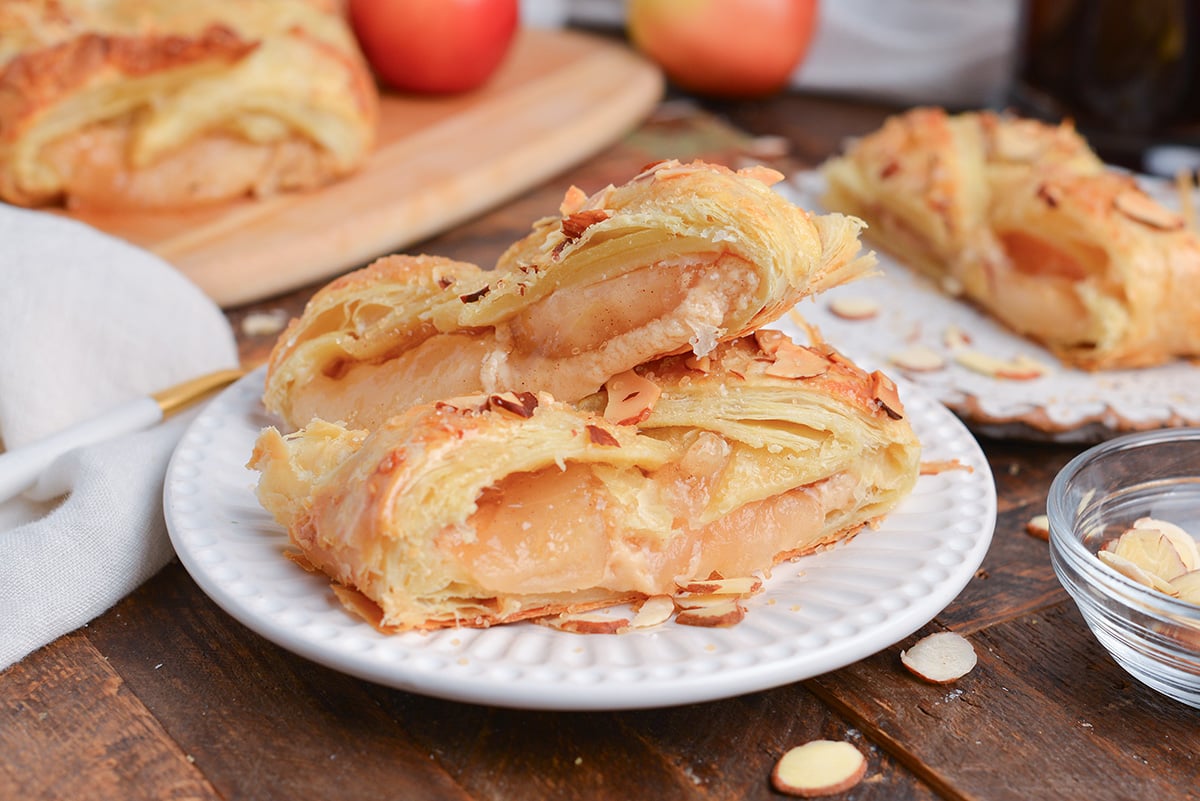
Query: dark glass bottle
(1126, 71)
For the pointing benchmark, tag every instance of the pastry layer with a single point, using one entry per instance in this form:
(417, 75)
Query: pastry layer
(680, 258)
(493, 508)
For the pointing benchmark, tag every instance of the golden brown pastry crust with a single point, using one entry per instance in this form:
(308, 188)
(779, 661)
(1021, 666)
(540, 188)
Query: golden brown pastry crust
(152, 103)
(678, 259)
(489, 509)
(1022, 219)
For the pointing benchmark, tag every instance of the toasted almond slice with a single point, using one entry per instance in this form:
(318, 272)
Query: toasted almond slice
(769, 340)
(1150, 550)
(704, 600)
(1013, 143)
(653, 611)
(631, 398)
(1142, 208)
(935, 467)
(1187, 586)
(940, 658)
(918, 358)
(1189, 552)
(745, 585)
(586, 623)
(954, 337)
(796, 361)
(819, 767)
(1038, 526)
(726, 613)
(883, 389)
(573, 201)
(1022, 368)
(1134, 571)
(854, 308)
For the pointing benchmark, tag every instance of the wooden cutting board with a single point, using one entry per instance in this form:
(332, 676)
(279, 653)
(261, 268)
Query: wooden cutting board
(559, 97)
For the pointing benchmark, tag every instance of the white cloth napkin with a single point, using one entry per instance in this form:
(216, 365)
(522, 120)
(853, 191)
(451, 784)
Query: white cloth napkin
(88, 321)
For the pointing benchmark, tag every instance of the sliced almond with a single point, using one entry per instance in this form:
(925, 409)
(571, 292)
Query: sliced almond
(1144, 209)
(1134, 571)
(819, 767)
(1013, 143)
(854, 308)
(726, 613)
(1038, 526)
(954, 337)
(1187, 587)
(745, 585)
(795, 361)
(1150, 550)
(586, 623)
(631, 398)
(769, 340)
(573, 201)
(704, 600)
(1189, 552)
(918, 358)
(1022, 368)
(654, 611)
(883, 389)
(940, 658)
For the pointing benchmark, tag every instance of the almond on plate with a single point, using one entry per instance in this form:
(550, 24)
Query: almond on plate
(819, 767)
(940, 658)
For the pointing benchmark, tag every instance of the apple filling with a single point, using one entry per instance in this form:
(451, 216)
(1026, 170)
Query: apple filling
(558, 531)
(1039, 289)
(443, 366)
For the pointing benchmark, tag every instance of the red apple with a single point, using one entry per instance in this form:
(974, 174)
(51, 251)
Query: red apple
(724, 48)
(434, 46)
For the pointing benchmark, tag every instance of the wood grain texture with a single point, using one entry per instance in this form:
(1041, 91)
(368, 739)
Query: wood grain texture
(557, 98)
(71, 729)
(1045, 714)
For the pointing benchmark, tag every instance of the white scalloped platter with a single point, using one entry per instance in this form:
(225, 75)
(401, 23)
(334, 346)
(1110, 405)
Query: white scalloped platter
(1065, 405)
(815, 615)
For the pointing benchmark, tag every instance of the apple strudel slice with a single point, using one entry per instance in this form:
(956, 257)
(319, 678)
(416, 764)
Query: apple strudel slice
(500, 507)
(676, 260)
(136, 104)
(1022, 219)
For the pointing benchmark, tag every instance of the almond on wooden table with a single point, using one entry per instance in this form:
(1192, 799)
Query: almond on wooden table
(819, 768)
(940, 658)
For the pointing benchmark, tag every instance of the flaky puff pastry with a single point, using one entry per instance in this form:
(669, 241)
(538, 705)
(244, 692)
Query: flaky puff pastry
(494, 508)
(1024, 220)
(680, 258)
(166, 104)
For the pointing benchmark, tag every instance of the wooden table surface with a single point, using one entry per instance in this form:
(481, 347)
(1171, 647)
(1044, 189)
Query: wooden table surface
(167, 697)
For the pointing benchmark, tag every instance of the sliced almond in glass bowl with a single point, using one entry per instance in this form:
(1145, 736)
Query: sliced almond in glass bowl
(1184, 544)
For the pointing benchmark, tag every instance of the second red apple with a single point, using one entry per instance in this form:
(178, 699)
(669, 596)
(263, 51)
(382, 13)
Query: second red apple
(724, 48)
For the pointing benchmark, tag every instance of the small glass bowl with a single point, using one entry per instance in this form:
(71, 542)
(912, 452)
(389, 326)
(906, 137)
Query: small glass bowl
(1097, 496)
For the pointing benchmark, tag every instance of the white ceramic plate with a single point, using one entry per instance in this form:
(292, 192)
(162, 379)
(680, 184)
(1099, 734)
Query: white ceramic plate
(815, 615)
(1066, 405)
